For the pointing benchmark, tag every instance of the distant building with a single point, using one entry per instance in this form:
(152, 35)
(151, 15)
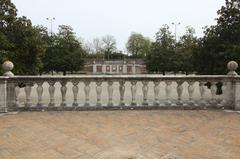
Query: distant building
(128, 66)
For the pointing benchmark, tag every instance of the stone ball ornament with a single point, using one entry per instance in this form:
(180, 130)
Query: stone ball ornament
(7, 67)
(232, 67)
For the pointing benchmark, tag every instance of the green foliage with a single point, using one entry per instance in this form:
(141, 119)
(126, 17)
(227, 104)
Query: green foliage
(160, 57)
(29, 47)
(8, 13)
(221, 42)
(64, 52)
(138, 46)
(184, 51)
(20, 41)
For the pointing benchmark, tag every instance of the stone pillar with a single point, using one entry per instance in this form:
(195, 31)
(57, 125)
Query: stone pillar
(134, 67)
(94, 67)
(10, 86)
(124, 68)
(3, 96)
(104, 69)
(233, 87)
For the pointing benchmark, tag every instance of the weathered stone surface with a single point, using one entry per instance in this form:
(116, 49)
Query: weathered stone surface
(121, 135)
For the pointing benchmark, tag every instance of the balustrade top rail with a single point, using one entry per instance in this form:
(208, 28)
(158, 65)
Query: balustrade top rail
(148, 77)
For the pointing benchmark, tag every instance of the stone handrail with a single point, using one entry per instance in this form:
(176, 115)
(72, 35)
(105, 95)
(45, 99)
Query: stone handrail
(122, 92)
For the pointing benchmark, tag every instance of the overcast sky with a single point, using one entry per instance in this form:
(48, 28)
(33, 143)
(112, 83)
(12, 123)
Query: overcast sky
(96, 18)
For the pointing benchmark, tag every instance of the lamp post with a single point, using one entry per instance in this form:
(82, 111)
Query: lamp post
(51, 22)
(175, 26)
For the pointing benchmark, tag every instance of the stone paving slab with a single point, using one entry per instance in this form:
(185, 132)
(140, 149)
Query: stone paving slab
(120, 135)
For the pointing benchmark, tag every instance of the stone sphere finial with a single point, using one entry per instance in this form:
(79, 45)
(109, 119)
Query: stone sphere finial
(232, 66)
(7, 68)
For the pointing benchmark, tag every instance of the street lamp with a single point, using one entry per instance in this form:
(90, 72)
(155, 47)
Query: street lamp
(51, 22)
(176, 25)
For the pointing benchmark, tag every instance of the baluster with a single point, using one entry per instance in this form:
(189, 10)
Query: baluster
(122, 91)
(202, 90)
(145, 92)
(179, 92)
(75, 90)
(63, 92)
(168, 92)
(213, 92)
(224, 94)
(156, 93)
(190, 92)
(40, 93)
(28, 89)
(99, 92)
(87, 93)
(110, 93)
(17, 92)
(51, 90)
(133, 90)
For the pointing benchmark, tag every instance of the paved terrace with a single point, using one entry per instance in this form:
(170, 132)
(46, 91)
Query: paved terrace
(120, 135)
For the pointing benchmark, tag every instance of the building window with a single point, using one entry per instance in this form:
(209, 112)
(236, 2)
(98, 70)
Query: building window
(108, 68)
(129, 69)
(120, 68)
(114, 68)
(99, 68)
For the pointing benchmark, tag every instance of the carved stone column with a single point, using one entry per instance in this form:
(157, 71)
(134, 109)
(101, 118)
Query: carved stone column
(87, 92)
(156, 93)
(134, 91)
(51, 90)
(190, 92)
(7, 67)
(168, 90)
(110, 93)
(99, 92)
(63, 92)
(145, 93)
(224, 94)
(214, 93)
(202, 91)
(122, 91)
(3, 96)
(179, 93)
(75, 90)
(39, 93)
(28, 90)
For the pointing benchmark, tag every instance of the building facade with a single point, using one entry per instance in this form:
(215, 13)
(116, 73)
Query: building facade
(115, 67)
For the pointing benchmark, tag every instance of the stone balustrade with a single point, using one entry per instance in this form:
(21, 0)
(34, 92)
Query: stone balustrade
(113, 92)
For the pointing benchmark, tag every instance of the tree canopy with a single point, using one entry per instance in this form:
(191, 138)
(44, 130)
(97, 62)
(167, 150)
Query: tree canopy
(64, 53)
(21, 42)
(221, 42)
(138, 45)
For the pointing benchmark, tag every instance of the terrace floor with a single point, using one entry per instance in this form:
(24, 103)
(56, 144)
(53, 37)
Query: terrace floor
(120, 135)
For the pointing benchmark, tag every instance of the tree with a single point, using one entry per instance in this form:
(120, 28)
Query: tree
(185, 49)
(138, 45)
(109, 45)
(8, 13)
(21, 42)
(64, 53)
(160, 58)
(221, 42)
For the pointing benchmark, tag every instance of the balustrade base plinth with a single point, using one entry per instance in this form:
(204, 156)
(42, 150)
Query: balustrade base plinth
(75, 104)
(133, 104)
(110, 104)
(145, 103)
(111, 108)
